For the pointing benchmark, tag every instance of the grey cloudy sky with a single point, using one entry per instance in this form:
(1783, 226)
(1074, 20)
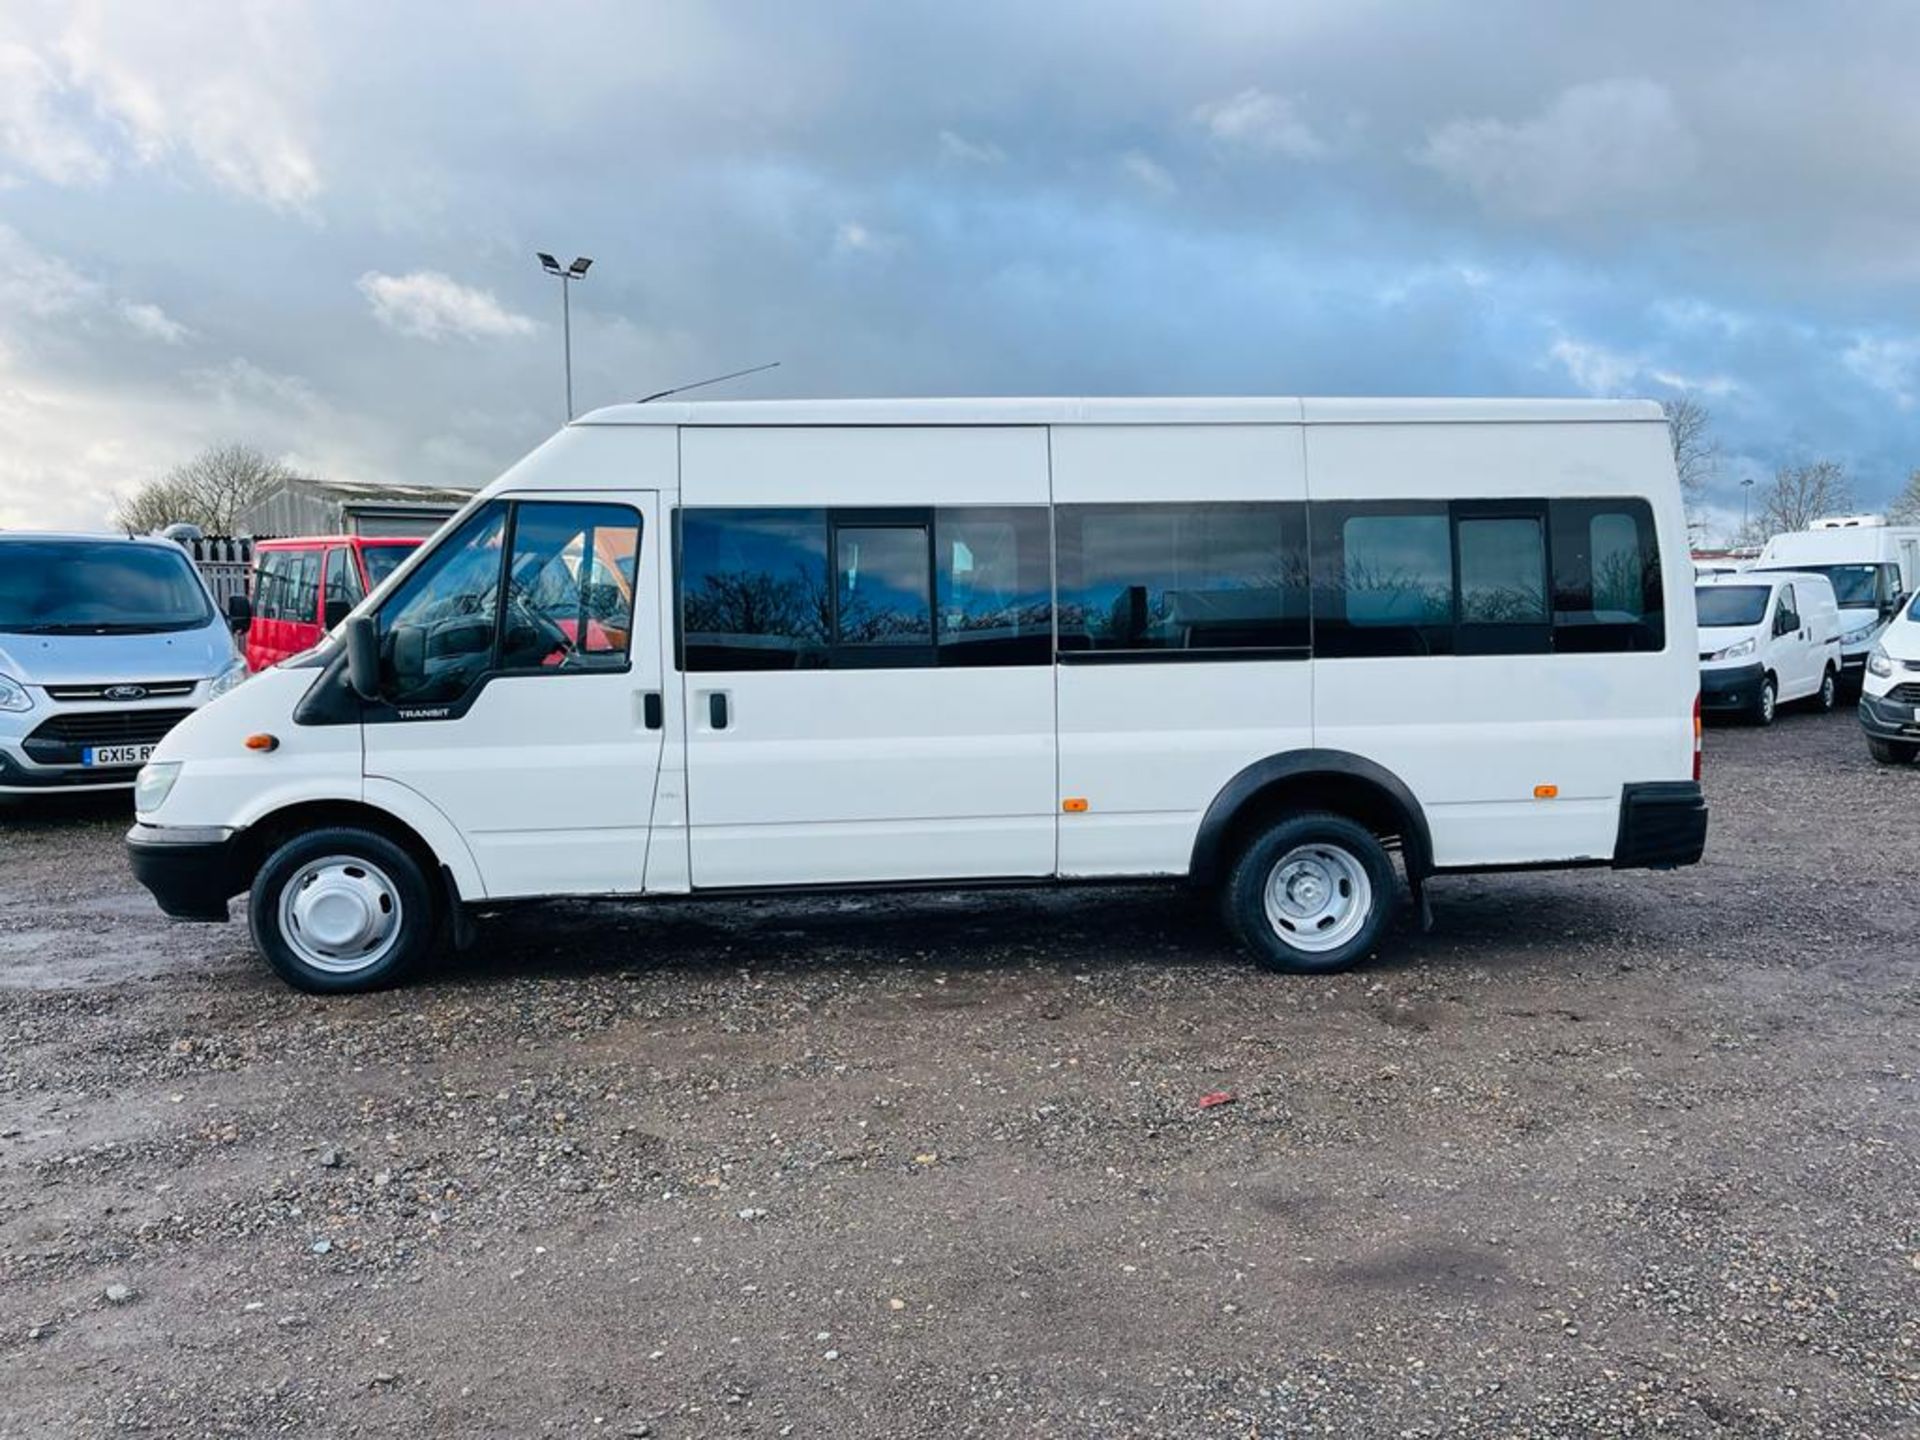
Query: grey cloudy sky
(311, 225)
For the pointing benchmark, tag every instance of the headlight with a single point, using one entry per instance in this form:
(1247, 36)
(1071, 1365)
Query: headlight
(1879, 662)
(1865, 632)
(227, 679)
(13, 695)
(153, 784)
(1736, 650)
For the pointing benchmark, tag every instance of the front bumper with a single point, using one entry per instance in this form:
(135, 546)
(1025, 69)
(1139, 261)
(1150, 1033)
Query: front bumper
(1731, 688)
(1889, 719)
(1663, 823)
(19, 778)
(192, 871)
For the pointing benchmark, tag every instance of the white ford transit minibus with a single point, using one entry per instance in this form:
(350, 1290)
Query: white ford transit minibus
(713, 648)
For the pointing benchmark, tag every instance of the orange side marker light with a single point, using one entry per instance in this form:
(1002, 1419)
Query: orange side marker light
(1074, 805)
(262, 742)
(1545, 792)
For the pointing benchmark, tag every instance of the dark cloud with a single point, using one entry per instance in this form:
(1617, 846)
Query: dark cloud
(318, 228)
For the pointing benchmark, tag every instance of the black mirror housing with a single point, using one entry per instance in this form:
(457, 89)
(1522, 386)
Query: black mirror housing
(239, 614)
(363, 657)
(333, 613)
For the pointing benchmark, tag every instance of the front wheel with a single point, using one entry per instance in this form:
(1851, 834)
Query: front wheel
(1310, 894)
(1767, 704)
(340, 910)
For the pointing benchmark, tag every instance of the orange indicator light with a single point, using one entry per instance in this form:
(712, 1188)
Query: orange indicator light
(262, 742)
(1074, 805)
(1545, 792)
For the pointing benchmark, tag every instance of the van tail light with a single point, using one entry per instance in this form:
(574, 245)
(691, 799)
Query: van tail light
(1696, 737)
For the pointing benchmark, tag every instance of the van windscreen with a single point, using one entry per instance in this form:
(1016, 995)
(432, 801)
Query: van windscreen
(1731, 604)
(1853, 585)
(98, 587)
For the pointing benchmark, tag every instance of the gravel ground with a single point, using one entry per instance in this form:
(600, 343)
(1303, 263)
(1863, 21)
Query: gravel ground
(1604, 1155)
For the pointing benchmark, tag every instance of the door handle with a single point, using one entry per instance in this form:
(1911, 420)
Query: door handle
(717, 716)
(652, 713)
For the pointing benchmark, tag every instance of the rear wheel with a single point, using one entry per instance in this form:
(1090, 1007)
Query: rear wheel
(1891, 752)
(341, 909)
(1767, 703)
(1310, 894)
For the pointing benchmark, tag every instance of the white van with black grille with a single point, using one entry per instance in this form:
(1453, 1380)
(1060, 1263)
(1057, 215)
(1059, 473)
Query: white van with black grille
(708, 649)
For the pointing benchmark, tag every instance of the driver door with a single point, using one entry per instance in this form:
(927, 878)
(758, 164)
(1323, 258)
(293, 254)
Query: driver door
(520, 679)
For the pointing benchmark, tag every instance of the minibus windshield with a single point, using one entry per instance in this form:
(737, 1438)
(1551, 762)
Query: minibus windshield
(97, 587)
(1853, 585)
(383, 560)
(1731, 604)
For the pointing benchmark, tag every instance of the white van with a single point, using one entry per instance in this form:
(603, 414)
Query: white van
(1890, 701)
(1767, 638)
(714, 648)
(106, 643)
(1872, 565)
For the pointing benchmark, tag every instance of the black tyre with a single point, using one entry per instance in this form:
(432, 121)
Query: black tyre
(340, 910)
(1766, 704)
(1829, 695)
(1891, 752)
(1310, 894)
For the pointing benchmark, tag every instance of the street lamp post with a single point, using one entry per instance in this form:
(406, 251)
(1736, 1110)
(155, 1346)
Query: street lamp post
(566, 277)
(1746, 495)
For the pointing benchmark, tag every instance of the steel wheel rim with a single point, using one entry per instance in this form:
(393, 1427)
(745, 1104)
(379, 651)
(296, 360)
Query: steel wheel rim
(1318, 897)
(1767, 701)
(341, 914)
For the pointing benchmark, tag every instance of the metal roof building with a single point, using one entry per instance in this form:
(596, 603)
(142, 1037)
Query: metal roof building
(346, 507)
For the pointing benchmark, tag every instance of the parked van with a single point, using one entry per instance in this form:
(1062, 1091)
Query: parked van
(303, 588)
(1872, 565)
(715, 648)
(1890, 701)
(1767, 638)
(106, 643)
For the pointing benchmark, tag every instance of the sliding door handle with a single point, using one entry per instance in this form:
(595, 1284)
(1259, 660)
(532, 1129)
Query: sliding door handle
(717, 714)
(653, 714)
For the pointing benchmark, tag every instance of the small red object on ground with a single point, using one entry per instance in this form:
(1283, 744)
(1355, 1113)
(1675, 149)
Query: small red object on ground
(1218, 1097)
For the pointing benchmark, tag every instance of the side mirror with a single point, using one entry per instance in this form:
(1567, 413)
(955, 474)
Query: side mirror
(409, 653)
(239, 614)
(363, 657)
(333, 612)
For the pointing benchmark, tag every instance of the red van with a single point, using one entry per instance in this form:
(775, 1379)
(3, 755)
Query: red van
(302, 588)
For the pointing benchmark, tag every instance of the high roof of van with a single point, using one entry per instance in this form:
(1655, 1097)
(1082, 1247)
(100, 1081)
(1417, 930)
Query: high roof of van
(1145, 410)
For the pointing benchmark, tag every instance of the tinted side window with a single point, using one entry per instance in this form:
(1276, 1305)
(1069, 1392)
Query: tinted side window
(570, 587)
(882, 580)
(1383, 578)
(1786, 614)
(1503, 571)
(267, 575)
(1606, 577)
(755, 591)
(1207, 577)
(994, 585)
(436, 631)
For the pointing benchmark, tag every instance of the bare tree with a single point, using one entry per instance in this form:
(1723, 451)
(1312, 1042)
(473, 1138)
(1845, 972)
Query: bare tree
(1696, 453)
(1905, 509)
(211, 491)
(1801, 494)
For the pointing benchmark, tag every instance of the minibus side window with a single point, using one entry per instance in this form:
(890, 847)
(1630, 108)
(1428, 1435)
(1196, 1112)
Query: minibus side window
(570, 587)
(449, 603)
(343, 579)
(880, 585)
(1503, 571)
(1607, 595)
(1383, 578)
(1213, 577)
(755, 591)
(994, 585)
(268, 576)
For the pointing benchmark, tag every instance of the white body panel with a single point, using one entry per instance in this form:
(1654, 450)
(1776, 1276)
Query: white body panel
(1796, 645)
(868, 774)
(847, 775)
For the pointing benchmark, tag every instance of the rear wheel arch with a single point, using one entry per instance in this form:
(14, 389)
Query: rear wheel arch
(1334, 781)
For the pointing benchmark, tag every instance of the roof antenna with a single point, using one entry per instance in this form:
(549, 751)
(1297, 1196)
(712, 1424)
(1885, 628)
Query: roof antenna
(697, 384)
